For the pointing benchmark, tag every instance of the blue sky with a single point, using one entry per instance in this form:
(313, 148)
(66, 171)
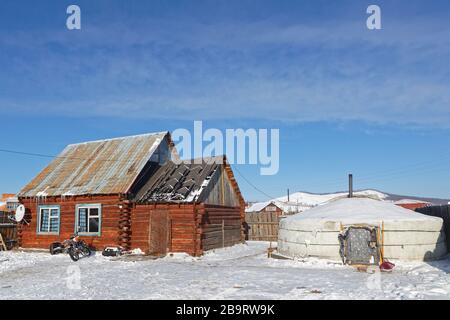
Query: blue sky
(346, 99)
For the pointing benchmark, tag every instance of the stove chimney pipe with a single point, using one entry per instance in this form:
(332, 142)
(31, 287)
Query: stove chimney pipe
(350, 185)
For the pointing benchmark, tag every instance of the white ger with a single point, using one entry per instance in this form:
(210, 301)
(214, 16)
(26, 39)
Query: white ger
(407, 235)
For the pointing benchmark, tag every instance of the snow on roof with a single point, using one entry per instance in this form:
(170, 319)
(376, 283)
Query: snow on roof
(258, 206)
(408, 201)
(359, 210)
(2, 206)
(180, 181)
(285, 206)
(314, 199)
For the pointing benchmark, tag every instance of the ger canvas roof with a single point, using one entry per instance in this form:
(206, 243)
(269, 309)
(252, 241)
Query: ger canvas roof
(359, 210)
(97, 167)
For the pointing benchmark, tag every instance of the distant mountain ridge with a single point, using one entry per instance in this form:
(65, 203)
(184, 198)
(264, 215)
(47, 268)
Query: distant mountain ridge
(435, 201)
(301, 201)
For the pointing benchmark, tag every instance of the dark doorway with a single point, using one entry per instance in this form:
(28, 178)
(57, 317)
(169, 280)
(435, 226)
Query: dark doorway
(359, 245)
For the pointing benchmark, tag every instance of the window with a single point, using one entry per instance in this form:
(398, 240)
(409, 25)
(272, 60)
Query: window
(48, 220)
(12, 206)
(88, 220)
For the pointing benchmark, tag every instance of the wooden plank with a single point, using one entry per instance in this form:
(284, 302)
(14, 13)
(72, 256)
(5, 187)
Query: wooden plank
(263, 223)
(159, 232)
(275, 225)
(263, 226)
(260, 226)
(2, 243)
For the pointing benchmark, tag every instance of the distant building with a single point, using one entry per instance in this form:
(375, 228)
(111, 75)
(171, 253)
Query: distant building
(8, 202)
(284, 208)
(265, 207)
(412, 204)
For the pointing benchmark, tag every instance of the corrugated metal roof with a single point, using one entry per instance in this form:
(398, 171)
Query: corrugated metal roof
(97, 167)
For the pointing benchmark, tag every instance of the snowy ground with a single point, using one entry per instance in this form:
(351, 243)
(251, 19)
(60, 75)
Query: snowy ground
(240, 272)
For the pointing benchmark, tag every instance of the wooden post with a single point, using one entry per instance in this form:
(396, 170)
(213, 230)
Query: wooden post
(222, 186)
(223, 233)
(2, 243)
(382, 241)
(269, 251)
(350, 185)
(170, 235)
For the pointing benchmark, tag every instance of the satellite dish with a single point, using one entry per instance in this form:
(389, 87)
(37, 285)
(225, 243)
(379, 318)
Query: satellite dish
(20, 213)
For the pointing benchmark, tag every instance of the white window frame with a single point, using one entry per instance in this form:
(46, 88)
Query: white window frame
(50, 217)
(99, 215)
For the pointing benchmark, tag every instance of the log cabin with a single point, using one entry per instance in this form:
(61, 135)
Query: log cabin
(133, 192)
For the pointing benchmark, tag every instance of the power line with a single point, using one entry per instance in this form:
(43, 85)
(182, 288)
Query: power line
(26, 153)
(443, 159)
(374, 176)
(423, 166)
(251, 184)
(442, 167)
(114, 160)
(259, 190)
(59, 157)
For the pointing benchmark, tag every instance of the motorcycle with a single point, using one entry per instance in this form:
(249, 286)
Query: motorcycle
(75, 247)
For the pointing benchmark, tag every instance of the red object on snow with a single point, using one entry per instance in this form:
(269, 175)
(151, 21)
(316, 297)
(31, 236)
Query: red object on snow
(387, 266)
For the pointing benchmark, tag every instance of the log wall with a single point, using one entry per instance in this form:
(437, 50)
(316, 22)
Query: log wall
(183, 233)
(29, 238)
(193, 228)
(221, 227)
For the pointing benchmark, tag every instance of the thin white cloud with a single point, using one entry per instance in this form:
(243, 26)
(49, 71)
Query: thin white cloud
(263, 70)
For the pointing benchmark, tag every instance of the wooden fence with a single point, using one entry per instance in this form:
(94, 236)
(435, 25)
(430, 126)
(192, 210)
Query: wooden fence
(441, 212)
(220, 236)
(8, 230)
(262, 226)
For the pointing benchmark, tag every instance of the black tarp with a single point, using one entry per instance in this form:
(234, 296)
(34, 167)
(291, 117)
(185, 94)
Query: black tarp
(441, 212)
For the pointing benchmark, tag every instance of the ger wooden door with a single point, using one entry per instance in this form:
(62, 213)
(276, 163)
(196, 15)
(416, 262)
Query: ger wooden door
(159, 235)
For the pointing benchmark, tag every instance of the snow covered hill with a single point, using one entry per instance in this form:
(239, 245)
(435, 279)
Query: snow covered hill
(301, 201)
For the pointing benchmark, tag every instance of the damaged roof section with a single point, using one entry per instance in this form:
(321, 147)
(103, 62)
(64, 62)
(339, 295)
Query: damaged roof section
(185, 182)
(97, 167)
